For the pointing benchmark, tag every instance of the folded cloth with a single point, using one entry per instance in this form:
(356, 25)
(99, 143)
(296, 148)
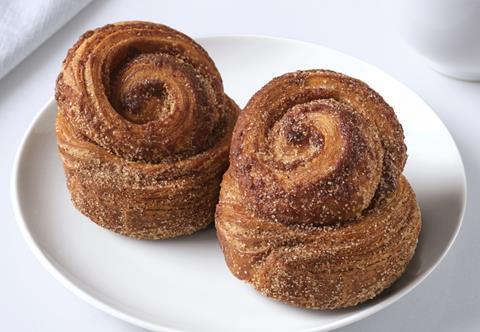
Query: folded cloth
(25, 25)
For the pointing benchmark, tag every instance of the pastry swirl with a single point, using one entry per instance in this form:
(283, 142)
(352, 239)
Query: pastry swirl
(313, 209)
(143, 128)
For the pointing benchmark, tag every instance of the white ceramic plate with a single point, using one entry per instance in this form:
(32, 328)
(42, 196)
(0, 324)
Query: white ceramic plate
(183, 284)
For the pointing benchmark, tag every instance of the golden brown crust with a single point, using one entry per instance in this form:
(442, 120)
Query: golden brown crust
(143, 129)
(316, 179)
(313, 210)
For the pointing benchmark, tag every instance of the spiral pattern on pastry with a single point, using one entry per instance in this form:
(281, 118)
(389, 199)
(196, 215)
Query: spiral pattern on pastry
(143, 128)
(313, 209)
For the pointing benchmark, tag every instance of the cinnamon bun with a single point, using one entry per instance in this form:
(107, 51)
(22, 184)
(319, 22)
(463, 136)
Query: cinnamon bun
(314, 210)
(143, 129)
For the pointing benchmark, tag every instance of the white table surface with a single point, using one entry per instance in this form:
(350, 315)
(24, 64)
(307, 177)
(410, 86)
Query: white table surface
(448, 300)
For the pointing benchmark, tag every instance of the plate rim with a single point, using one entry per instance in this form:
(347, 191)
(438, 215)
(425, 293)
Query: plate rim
(85, 295)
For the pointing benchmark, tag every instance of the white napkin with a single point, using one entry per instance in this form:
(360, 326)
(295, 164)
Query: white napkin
(25, 24)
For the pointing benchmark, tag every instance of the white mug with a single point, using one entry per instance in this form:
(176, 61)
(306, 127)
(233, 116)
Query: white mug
(445, 32)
